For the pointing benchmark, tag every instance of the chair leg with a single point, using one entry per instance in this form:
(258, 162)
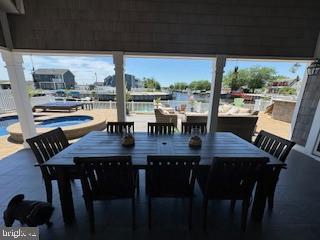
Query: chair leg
(190, 212)
(244, 214)
(133, 214)
(89, 206)
(205, 206)
(149, 213)
(138, 183)
(271, 199)
(232, 205)
(48, 185)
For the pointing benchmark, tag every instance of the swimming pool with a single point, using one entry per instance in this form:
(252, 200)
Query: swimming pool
(5, 122)
(64, 121)
(49, 123)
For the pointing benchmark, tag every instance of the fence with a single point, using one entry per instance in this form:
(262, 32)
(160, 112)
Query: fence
(7, 104)
(6, 101)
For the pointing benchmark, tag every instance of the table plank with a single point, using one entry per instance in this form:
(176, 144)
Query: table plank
(218, 144)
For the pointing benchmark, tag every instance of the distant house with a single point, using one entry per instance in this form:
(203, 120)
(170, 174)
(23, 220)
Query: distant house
(5, 84)
(276, 86)
(52, 79)
(130, 80)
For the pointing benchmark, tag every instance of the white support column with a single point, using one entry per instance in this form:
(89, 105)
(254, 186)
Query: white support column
(217, 75)
(120, 85)
(14, 66)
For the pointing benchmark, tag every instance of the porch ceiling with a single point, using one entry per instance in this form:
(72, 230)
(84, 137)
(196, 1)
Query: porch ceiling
(287, 28)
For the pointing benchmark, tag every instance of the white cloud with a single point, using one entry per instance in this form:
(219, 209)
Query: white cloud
(84, 68)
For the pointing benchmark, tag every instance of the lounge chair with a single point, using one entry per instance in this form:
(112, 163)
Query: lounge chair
(165, 117)
(242, 126)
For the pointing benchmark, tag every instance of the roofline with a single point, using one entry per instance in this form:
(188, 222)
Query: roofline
(157, 55)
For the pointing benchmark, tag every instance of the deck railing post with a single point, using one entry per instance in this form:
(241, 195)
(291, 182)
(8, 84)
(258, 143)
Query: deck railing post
(120, 85)
(14, 62)
(217, 76)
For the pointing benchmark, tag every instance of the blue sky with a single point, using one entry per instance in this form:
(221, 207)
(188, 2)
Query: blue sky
(165, 70)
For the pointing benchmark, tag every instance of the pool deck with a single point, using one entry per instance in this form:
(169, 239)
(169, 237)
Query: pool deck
(8, 147)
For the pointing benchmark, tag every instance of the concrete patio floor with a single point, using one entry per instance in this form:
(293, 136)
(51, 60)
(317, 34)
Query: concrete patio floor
(295, 215)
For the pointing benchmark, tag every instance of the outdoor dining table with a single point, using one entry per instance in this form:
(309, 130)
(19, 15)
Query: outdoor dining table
(219, 144)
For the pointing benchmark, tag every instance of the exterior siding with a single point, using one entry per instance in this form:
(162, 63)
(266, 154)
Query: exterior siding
(68, 79)
(286, 28)
(307, 110)
(2, 42)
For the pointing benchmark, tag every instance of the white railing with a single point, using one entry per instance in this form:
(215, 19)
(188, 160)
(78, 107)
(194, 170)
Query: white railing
(7, 104)
(140, 107)
(105, 105)
(6, 101)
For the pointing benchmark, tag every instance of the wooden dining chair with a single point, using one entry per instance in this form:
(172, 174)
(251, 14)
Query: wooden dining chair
(44, 147)
(119, 127)
(171, 177)
(106, 178)
(277, 147)
(186, 127)
(160, 128)
(230, 179)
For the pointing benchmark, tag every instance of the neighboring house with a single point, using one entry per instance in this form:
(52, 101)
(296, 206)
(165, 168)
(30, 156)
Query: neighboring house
(5, 84)
(130, 80)
(276, 86)
(52, 79)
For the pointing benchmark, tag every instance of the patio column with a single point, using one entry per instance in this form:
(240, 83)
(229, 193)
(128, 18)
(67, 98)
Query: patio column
(217, 75)
(120, 85)
(13, 62)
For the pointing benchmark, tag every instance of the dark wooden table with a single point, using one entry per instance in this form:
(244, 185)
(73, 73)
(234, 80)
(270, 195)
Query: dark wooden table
(103, 144)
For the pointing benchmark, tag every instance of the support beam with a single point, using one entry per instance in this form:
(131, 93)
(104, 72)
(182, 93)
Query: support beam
(6, 30)
(14, 67)
(120, 85)
(217, 75)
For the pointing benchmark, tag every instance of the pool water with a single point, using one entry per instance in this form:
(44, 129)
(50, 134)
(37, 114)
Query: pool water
(50, 123)
(64, 121)
(5, 122)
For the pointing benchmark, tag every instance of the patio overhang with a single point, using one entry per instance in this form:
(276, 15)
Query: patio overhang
(268, 30)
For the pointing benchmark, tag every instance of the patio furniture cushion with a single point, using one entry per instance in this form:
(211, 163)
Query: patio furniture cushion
(232, 111)
(241, 125)
(162, 117)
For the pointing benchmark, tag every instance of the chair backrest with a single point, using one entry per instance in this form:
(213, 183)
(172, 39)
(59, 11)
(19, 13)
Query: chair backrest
(186, 127)
(274, 145)
(46, 145)
(162, 117)
(160, 128)
(170, 176)
(242, 126)
(233, 178)
(119, 127)
(106, 177)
